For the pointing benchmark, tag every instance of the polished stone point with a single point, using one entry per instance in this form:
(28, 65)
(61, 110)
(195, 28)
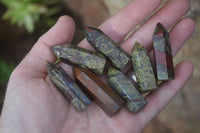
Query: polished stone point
(105, 45)
(134, 101)
(80, 57)
(162, 54)
(143, 69)
(103, 95)
(67, 87)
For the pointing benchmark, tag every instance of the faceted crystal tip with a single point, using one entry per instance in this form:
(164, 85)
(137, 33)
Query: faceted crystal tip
(159, 29)
(56, 50)
(50, 66)
(92, 33)
(159, 25)
(138, 47)
(89, 29)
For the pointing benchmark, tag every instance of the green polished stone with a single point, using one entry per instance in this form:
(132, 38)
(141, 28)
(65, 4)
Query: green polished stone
(105, 45)
(67, 87)
(143, 69)
(80, 57)
(120, 83)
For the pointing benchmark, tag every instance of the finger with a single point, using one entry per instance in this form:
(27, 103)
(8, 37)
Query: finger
(158, 99)
(118, 26)
(181, 33)
(62, 32)
(132, 15)
(168, 16)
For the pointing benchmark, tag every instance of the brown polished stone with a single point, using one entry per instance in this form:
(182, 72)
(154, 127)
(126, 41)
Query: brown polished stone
(103, 95)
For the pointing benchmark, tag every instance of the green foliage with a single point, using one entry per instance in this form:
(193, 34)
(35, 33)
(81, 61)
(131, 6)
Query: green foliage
(27, 12)
(5, 71)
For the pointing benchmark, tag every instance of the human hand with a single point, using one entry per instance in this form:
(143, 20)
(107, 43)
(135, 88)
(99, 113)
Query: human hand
(33, 104)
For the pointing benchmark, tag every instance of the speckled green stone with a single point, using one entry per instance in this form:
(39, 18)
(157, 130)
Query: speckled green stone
(104, 44)
(67, 87)
(143, 69)
(120, 83)
(80, 57)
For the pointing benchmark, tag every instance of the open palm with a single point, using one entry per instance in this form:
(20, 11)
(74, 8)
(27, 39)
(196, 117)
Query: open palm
(33, 104)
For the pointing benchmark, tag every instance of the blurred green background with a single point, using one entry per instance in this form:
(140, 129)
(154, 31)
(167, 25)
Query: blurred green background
(24, 21)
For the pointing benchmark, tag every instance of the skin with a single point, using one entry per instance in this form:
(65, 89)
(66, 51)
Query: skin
(33, 104)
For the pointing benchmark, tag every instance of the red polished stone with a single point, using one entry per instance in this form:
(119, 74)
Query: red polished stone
(162, 54)
(103, 95)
